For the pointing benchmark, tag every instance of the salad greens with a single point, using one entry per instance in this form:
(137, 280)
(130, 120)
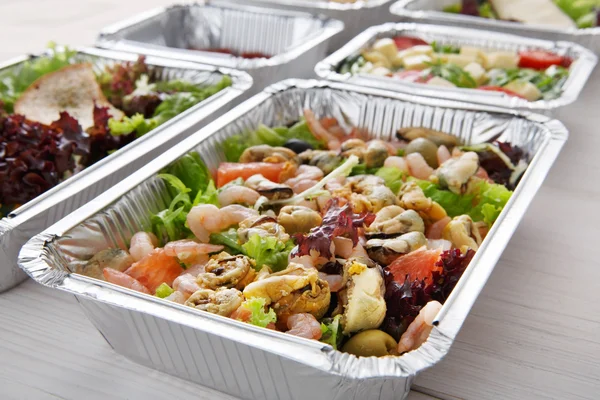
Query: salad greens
(163, 291)
(269, 251)
(235, 145)
(452, 73)
(549, 82)
(229, 239)
(331, 330)
(258, 316)
(444, 48)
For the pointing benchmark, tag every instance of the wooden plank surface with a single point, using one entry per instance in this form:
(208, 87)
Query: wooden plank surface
(533, 333)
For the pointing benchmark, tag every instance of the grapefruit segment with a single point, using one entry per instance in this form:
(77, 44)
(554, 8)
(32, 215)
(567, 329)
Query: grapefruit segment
(418, 265)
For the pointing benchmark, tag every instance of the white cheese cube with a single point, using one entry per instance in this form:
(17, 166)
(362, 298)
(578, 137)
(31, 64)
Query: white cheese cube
(471, 51)
(416, 50)
(501, 59)
(387, 47)
(460, 60)
(437, 81)
(377, 58)
(477, 72)
(525, 89)
(417, 62)
(380, 71)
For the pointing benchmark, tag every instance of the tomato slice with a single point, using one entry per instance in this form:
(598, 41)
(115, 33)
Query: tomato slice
(540, 59)
(406, 42)
(500, 89)
(411, 76)
(228, 172)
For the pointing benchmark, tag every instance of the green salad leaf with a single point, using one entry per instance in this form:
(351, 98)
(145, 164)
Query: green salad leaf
(452, 73)
(549, 82)
(453, 203)
(393, 177)
(163, 290)
(14, 83)
(268, 251)
(576, 9)
(331, 330)
(259, 317)
(444, 48)
(229, 239)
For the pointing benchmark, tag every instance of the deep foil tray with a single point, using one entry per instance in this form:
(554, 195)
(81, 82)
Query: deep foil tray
(251, 362)
(356, 16)
(41, 212)
(296, 41)
(430, 12)
(580, 71)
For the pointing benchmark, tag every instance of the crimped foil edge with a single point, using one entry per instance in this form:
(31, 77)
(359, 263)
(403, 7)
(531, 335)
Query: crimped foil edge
(578, 76)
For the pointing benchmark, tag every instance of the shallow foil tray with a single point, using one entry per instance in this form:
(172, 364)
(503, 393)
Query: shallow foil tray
(582, 67)
(430, 12)
(251, 362)
(356, 16)
(295, 40)
(41, 212)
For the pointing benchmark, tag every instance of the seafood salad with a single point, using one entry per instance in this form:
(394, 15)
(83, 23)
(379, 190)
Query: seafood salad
(529, 74)
(554, 13)
(315, 230)
(59, 115)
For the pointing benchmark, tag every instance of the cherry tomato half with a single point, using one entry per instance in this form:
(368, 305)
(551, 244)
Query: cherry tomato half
(228, 172)
(540, 59)
(406, 42)
(411, 76)
(500, 89)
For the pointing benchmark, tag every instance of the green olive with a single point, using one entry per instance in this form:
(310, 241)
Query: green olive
(426, 148)
(371, 343)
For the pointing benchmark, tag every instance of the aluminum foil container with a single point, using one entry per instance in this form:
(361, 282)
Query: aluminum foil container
(296, 41)
(44, 210)
(356, 16)
(582, 67)
(430, 12)
(244, 360)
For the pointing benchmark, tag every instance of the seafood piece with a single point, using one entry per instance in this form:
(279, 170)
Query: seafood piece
(188, 250)
(297, 289)
(186, 285)
(222, 301)
(236, 194)
(122, 279)
(154, 269)
(418, 331)
(437, 137)
(176, 297)
(392, 221)
(362, 299)
(376, 154)
(262, 225)
(271, 190)
(320, 132)
(369, 193)
(304, 325)
(443, 154)
(456, 172)
(205, 219)
(142, 244)
(305, 172)
(298, 219)
(226, 270)
(412, 198)
(335, 282)
(116, 259)
(266, 153)
(343, 247)
(418, 166)
(463, 233)
(426, 148)
(385, 251)
(325, 160)
(355, 147)
(396, 162)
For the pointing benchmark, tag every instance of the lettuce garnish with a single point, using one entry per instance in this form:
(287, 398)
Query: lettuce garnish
(258, 316)
(331, 330)
(163, 291)
(269, 251)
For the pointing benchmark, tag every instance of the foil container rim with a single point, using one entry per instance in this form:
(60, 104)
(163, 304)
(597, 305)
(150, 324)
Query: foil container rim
(583, 66)
(108, 37)
(331, 5)
(399, 9)
(318, 355)
(241, 82)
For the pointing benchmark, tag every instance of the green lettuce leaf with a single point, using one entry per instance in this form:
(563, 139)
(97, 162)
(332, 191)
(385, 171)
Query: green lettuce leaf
(393, 177)
(331, 330)
(453, 203)
(259, 317)
(229, 239)
(268, 251)
(490, 199)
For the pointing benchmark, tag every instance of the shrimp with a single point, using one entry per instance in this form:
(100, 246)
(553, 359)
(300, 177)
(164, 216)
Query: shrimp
(418, 331)
(304, 325)
(443, 154)
(186, 284)
(303, 185)
(359, 252)
(188, 251)
(122, 279)
(418, 166)
(333, 143)
(305, 172)
(238, 195)
(436, 229)
(396, 162)
(142, 244)
(335, 281)
(205, 219)
(176, 297)
(343, 246)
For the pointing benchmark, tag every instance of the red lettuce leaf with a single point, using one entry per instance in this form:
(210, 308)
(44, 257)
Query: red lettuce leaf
(118, 80)
(339, 220)
(470, 7)
(496, 168)
(102, 142)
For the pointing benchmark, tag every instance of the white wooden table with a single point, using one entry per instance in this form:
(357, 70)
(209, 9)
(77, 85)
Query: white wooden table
(533, 333)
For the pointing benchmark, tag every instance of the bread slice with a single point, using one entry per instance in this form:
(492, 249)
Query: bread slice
(73, 89)
(537, 12)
